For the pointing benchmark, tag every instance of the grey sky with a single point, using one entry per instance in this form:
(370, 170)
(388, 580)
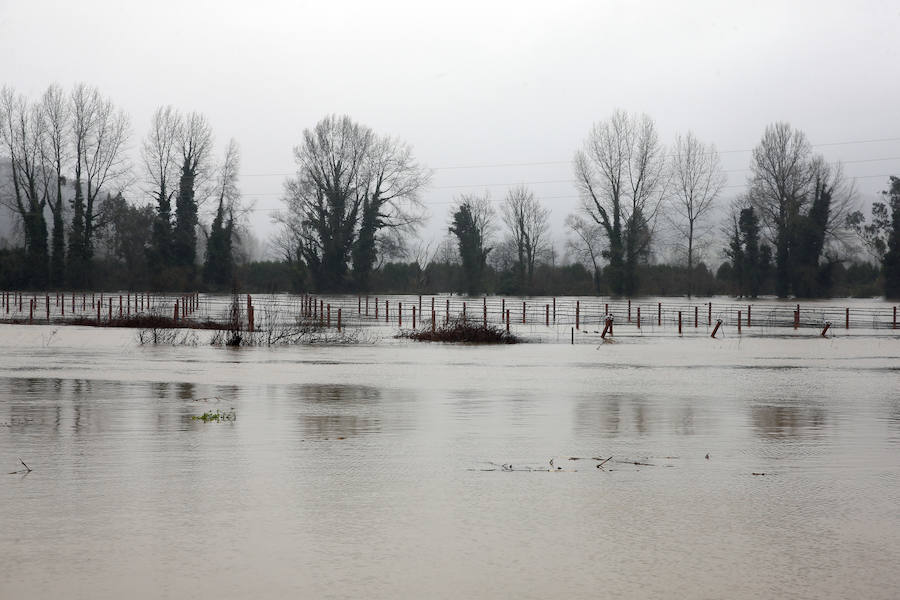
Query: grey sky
(476, 83)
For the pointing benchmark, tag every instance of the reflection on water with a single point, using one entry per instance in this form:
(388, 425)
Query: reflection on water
(787, 421)
(346, 476)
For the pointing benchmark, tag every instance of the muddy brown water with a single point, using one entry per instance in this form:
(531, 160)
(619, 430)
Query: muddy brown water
(401, 470)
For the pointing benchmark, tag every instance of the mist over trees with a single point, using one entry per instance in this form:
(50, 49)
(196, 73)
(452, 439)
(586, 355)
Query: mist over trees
(652, 219)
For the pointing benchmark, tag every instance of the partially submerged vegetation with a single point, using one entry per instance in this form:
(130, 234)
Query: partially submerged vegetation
(216, 416)
(462, 331)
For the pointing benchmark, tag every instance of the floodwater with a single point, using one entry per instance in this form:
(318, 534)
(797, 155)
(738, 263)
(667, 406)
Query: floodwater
(402, 470)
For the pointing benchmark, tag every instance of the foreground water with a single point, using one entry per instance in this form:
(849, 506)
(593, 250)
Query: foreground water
(402, 470)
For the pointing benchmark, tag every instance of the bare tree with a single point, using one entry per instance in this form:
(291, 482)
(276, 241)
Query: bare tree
(586, 244)
(529, 228)
(353, 193)
(159, 153)
(697, 180)
(219, 263)
(99, 137)
(620, 175)
(22, 134)
(195, 147)
(56, 155)
(803, 203)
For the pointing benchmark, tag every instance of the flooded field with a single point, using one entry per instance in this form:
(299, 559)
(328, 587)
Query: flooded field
(392, 469)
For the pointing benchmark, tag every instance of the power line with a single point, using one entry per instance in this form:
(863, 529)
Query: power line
(565, 162)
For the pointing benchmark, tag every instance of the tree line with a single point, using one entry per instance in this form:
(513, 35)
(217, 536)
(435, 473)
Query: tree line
(352, 212)
(65, 155)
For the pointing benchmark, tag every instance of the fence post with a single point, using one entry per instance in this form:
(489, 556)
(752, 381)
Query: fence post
(629, 310)
(696, 317)
(387, 311)
(376, 308)
(464, 312)
(577, 315)
(846, 320)
(523, 313)
(328, 320)
(432, 319)
(797, 318)
(554, 309)
(339, 320)
(748, 314)
(709, 314)
(502, 309)
(420, 308)
(414, 316)
(659, 314)
(367, 305)
(739, 321)
(716, 328)
(447, 313)
(485, 313)
(400, 315)
(47, 298)
(638, 317)
(175, 313)
(547, 316)
(31, 311)
(507, 321)
(825, 330)
(679, 322)
(358, 307)
(894, 326)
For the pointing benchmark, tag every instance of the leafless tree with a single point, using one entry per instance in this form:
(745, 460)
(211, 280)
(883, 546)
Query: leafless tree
(22, 137)
(621, 178)
(529, 229)
(99, 136)
(56, 154)
(697, 180)
(160, 156)
(586, 244)
(354, 191)
(195, 148)
(802, 201)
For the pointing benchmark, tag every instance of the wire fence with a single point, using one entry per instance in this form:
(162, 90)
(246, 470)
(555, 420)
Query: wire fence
(531, 318)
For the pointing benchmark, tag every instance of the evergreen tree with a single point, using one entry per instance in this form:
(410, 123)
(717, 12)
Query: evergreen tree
(891, 262)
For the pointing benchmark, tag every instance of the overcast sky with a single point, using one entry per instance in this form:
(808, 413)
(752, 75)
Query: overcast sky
(480, 84)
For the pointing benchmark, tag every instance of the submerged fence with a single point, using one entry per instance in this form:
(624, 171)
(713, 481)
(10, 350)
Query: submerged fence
(532, 318)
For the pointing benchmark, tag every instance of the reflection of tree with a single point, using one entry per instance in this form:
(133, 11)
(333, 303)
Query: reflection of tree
(787, 421)
(334, 426)
(339, 398)
(336, 393)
